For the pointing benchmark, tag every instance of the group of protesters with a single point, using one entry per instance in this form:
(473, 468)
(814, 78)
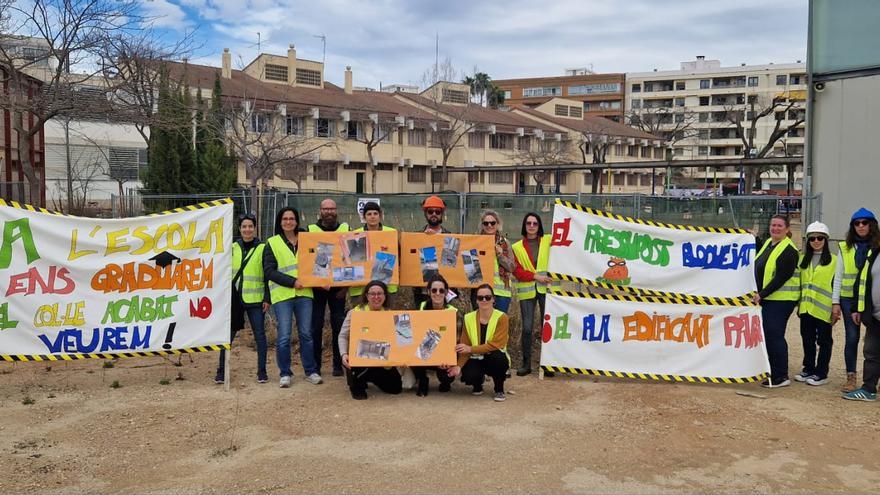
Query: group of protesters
(265, 275)
(826, 288)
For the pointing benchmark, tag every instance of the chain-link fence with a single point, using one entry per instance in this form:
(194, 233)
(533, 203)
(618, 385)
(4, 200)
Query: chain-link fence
(404, 212)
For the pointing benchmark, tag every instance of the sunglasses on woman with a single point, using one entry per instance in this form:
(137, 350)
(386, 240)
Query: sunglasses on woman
(859, 223)
(489, 223)
(436, 290)
(816, 238)
(484, 298)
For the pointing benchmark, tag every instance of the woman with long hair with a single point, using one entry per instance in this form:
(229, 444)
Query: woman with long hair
(490, 224)
(817, 267)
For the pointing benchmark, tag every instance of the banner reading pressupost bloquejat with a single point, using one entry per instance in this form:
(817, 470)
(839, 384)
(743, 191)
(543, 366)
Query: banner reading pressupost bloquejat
(643, 337)
(637, 255)
(76, 287)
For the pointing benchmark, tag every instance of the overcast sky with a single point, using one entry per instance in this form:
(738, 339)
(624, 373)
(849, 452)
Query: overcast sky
(393, 41)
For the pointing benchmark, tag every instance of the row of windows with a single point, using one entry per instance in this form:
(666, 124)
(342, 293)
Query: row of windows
(718, 82)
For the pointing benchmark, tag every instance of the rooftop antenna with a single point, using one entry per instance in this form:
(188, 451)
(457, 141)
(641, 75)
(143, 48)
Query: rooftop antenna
(323, 45)
(259, 43)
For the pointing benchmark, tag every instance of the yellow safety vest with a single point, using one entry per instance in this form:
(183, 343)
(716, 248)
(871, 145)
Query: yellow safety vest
(816, 289)
(498, 286)
(288, 264)
(528, 290)
(472, 326)
(343, 227)
(425, 303)
(356, 291)
(252, 285)
(850, 270)
(791, 289)
(863, 283)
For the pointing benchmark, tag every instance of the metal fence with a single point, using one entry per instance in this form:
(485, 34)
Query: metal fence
(15, 191)
(403, 211)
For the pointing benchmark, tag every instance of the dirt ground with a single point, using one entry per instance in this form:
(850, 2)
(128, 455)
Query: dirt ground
(67, 429)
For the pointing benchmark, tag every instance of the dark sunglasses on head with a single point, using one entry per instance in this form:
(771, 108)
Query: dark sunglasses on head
(434, 211)
(484, 298)
(816, 238)
(859, 223)
(436, 290)
(247, 216)
(489, 223)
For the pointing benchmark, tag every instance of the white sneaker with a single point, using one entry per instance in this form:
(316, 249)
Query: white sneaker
(816, 381)
(314, 379)
(803, 376)
(285, 382)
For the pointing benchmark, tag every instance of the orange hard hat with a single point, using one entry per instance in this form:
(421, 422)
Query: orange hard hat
(433, 202)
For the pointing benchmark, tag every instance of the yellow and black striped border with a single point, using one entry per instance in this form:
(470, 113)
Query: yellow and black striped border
(645, 295)
(692, 228)
(109, 355)
(655, 376)
(183, 209)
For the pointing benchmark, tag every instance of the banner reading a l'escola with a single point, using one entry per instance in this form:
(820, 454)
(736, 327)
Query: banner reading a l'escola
(647, 337)
(630, 254)
(76, 287)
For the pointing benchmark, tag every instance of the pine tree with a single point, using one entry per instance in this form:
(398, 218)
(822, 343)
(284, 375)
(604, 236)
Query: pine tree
(215, 163)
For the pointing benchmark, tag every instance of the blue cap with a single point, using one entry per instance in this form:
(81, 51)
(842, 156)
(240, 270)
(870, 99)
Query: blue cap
(863, 213)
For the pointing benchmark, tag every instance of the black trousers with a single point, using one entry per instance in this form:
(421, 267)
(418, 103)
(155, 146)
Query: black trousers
(816, 332)
(321, 299)
(871, 351)
(388, 380)
(494, 364)
(421, 373)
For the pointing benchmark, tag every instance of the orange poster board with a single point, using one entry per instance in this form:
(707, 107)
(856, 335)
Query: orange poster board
(347, 259)
(397, 338)
(463, 260)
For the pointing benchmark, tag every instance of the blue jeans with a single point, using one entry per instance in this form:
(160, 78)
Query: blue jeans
(851, 332)
(527, 313)
(301, 307)
(258, 326)
(775, 317)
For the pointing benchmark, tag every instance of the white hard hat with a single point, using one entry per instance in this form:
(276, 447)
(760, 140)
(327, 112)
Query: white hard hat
(818, 228)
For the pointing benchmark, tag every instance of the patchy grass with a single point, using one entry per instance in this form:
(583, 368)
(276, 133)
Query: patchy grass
(224, 452)
(164, 381)
(28, 400)
(115, 384)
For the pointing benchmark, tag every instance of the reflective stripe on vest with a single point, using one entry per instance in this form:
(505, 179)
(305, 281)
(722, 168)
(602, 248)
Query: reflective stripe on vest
(524, 290)
(498, 286)
(343, 227)
(543, 262)
(472, 326)
(863, 283)
(252, 284)
(791, 289)
(816, 283)
(850, 270)
(288, 265)
(356, 291)
(448, 306)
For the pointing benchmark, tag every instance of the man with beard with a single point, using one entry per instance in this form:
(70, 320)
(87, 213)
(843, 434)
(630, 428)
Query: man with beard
(434, 209)
(334, 297)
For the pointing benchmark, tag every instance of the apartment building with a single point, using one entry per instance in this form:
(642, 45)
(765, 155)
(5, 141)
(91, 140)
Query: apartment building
(402, 137)
(695, 109)
(601, 95)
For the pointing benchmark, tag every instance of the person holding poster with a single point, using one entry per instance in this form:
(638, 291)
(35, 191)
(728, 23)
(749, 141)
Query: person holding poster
(388, 380)
(372, 222)
(862, 237)
(531, 254)
(434, 208)
(867, 295)
(333, 297)
(437, 289)
(778, 293)
(289, 297)
(483, 346)
(249, 293)
(817, 267)
(490, 224)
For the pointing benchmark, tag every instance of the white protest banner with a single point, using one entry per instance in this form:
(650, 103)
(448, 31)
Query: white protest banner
(645, 257)
(76, 288)
(653, 338)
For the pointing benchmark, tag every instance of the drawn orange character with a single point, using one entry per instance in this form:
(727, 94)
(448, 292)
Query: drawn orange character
(617, 272)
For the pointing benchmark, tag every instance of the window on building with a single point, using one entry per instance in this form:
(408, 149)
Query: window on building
(325, 171)
(417, 174)
(325, 128)
(704, 101)
(704, 84)
(753, 81)
(679, 118)
(618, 149)
(507, 95)
(500, 177)
(354, 130)
(636, 103)
(636, 88)
(588, 178)
(609, 105)
(679, 151)
(454, 96)
(703, 116)
(475, 177)
(796, 79)
(679, 102)
(308, 77)
(703, 134)
(354, 166)
(632, 150)
(383, 133)
(658, 153)
(276, 72)
(416, 137)
(562, 177)
(780, 115)
(587, 106)
(294, 126)
(679, 85)
(702, 150)
(619, 179)
(781, 80)
(125, 163)
(561, 110)
(258, 122)
(501, 142)
(546, 91)
(437, 177)
(525, 143)
(646, 152)
(799, 114)
(575, 112)
(476, 140)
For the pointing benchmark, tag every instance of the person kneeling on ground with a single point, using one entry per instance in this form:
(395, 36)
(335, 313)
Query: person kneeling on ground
(374, 298)
(483, 347)
(437, 290)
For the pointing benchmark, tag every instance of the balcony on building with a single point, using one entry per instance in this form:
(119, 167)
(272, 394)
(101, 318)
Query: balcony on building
(729, 82)
(664, 85)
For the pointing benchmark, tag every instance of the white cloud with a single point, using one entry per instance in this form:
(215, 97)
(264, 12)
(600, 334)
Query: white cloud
(165, 14)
